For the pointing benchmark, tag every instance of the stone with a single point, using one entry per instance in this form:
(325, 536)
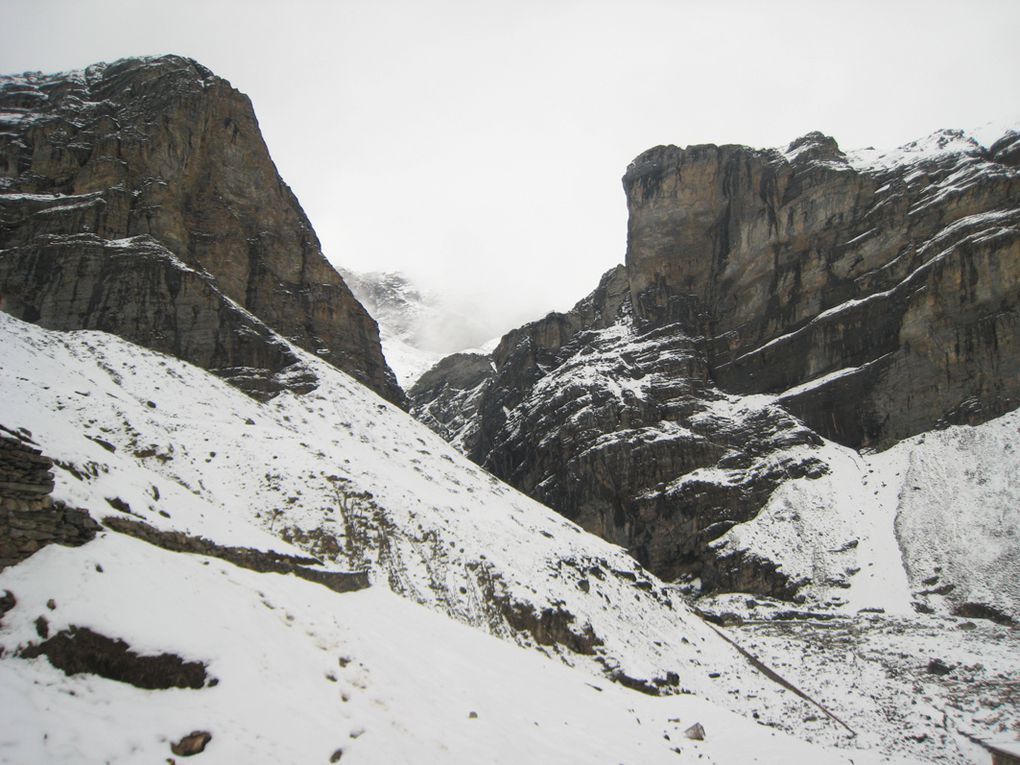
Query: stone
(29, 519)
(243, 557)
(696, 732)
(78, 650)
(194, 743)
(139, 198)
(793, 266)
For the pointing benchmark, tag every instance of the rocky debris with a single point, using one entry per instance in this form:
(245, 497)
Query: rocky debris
(696, 732)
(7, 602)
(193, 743)
(885, 686)
(244, 557)
(29, 518)
(983, 611)
(938, 667)
(149, 176)
(78, 649)
(548, 626)
(864, 302)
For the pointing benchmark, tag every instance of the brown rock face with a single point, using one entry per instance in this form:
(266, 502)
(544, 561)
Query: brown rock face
(147, 153)
(871, 298)
(903, 277)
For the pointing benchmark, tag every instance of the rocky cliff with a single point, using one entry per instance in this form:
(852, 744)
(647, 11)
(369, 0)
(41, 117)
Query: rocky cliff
(898, 273)
(770, 299)
(139, 198)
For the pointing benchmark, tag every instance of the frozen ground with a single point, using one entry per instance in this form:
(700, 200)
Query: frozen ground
(340, 473)
(303, 673)
(904, 683)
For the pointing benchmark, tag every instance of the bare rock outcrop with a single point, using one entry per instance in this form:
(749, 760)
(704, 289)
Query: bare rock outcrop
(866, 298)
(160, 155)
(898, 279)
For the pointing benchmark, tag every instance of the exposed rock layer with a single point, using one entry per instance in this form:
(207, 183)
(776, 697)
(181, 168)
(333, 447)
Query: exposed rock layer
(763, 292)
(124, 159)
(903, 277)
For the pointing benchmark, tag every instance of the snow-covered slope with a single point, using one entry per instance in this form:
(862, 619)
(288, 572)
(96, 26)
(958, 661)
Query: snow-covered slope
(343, 474)
(932, 524)
(304, 674)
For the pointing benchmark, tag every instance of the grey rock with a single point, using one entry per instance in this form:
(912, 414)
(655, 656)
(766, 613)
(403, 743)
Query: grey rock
(869, 304)
(159, 155)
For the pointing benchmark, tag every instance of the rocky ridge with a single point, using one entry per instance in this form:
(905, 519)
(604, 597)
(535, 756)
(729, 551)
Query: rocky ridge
(770, 300)
(139, 198)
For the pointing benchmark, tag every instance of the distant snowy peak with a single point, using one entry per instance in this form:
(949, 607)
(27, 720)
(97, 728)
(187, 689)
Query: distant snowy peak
(397, 304)
(984, 142)
(990, 141)
(418, 326)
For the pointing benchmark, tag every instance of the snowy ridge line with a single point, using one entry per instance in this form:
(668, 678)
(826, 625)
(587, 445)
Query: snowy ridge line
(973, 143)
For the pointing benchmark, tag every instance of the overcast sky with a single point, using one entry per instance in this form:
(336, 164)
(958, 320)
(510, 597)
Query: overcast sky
(478, 146)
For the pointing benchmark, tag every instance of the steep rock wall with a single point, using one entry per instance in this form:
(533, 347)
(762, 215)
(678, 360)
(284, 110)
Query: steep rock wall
(768, 298)
(902, 276)
(163, 150)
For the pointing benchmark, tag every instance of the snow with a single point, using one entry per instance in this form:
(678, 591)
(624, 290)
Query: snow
(444, 542)
(195, 455)
(937, 144)
(368, 673)
(825, 379)
(867, 535)
(959, 510)
(407, 362)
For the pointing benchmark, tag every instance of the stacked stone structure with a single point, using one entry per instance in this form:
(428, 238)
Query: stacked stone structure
(29, 517)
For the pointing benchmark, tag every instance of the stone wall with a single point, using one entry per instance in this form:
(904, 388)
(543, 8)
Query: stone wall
(263, 561)
(29, 518)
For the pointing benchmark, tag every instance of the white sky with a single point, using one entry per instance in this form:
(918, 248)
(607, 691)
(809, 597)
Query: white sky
(478, 146)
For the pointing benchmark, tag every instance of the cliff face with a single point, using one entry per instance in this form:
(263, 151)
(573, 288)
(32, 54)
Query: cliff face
(768, 298)
(900, 276)
(141, 155)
